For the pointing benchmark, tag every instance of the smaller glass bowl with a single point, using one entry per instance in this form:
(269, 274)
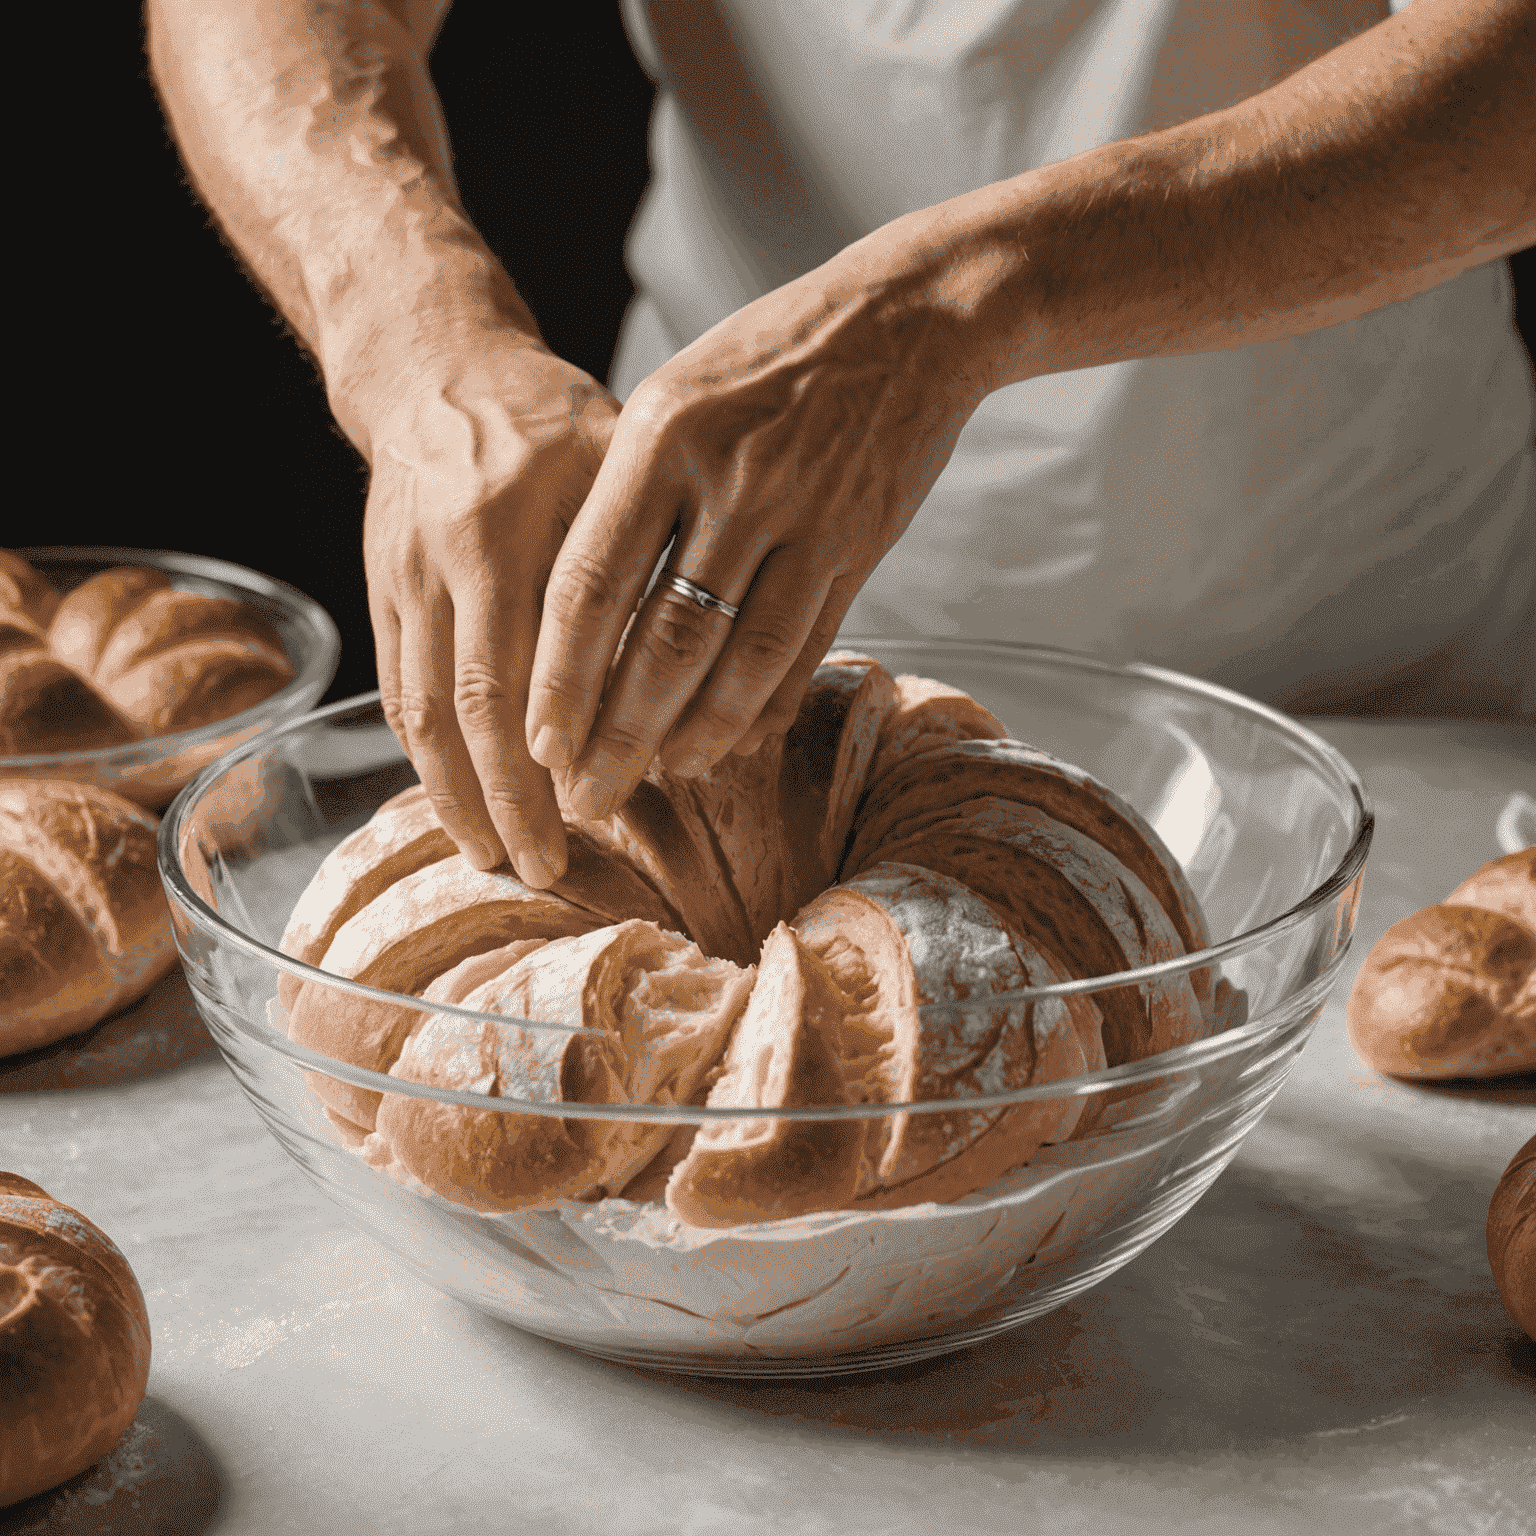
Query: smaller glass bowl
(1272, 828)
(150, 772)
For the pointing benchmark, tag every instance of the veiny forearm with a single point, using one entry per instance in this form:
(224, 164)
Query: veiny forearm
(312, 130)
(1391, 164)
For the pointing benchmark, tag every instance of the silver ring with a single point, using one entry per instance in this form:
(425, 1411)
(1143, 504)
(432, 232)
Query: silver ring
(685, 588)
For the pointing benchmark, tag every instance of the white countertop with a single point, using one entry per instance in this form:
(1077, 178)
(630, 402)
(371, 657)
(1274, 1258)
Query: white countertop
(1316, 1347)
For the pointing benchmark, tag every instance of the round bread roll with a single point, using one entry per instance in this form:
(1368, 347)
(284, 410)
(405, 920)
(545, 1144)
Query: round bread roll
(167, 659)
(84, 928)
(74, 1341)
(1451, 990)
(971, 865)
(1512, 1237)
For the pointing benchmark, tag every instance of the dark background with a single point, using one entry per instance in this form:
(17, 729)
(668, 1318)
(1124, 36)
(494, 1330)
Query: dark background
(201, 426)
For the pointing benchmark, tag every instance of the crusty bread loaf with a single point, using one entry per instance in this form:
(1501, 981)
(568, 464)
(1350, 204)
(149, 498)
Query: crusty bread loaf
(826, 758)
(167, 659)
(782, 1053)
(1450, 991)
(123, 656)
(84, 928)
(1512, 1237)
(74, 1341)
(971, 866)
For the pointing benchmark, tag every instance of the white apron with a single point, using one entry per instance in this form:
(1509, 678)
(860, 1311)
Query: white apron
(1344, 520)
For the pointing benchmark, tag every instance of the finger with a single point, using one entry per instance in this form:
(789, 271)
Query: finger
(493, 646)
(593, 589)
(779, 713)
(427, 724)
(786, 602)
(668, 654)
(386, 651)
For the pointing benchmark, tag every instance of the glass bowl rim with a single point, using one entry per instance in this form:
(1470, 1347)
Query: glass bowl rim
(319, 667)
(1163, 1064)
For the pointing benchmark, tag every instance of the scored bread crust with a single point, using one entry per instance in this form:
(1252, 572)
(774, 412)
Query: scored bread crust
(922, 790)
(401, 941)
(401, 837)
(167, 659)
(664, 1010)
(1511, 1237)
(899, 938)
(74, 1340)
(730, 798)
(1506, 885)
(123, 656)
(667, 838)
(84, 929)
(929, 714)
(1078, 902)
(27, 602)
(1449, 991)
(825, 761)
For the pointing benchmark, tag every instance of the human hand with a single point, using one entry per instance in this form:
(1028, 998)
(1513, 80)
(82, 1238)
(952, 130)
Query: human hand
(479, 467)
(787, 449)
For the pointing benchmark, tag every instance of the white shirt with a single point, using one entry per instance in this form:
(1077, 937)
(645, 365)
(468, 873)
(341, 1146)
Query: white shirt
(1342, 520)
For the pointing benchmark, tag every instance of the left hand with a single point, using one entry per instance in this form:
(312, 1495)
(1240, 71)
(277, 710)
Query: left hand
(784, 453)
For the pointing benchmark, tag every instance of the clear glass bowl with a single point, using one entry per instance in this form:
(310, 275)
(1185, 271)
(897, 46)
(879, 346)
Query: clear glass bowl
(1270, 823)
(151, 771)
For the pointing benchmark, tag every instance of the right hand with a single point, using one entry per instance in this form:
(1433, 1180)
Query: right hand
(480, 463)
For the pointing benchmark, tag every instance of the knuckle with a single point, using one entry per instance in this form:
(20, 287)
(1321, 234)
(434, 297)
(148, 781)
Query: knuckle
(676, 638)
(716, 723)
(765, 645)
(412, 715)
(583, 583)
(558, 701)
(618, 743)
(479, 696)
(653, 404)
(449, 808)
(510, 804)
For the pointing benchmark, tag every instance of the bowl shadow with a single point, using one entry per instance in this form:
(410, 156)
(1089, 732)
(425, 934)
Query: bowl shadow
(160, 1479)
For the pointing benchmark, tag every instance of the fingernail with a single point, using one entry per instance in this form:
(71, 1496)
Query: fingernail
(591, 799)
(480, 853)
(549, 750)
(690, 766)
(535, 870)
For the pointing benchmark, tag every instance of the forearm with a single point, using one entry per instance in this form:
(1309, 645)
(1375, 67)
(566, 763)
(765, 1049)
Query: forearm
(312, 130)
(1391, 164)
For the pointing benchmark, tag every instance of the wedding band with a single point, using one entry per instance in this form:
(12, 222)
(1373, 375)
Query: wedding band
(685, 588)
